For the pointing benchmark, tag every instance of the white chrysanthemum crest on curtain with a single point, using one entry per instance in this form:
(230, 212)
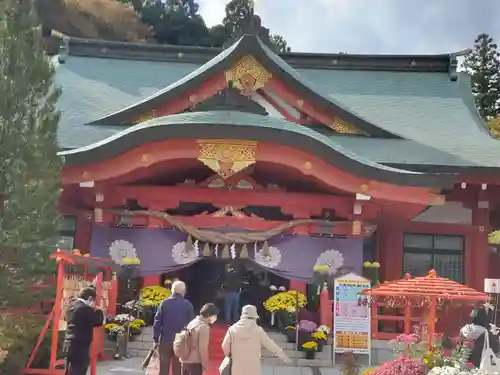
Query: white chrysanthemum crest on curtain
(120, 250)
(331, 258)
(181, 255)
(270, 257)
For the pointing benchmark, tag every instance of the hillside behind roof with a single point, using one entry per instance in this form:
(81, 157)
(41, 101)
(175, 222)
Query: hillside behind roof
(93, 19)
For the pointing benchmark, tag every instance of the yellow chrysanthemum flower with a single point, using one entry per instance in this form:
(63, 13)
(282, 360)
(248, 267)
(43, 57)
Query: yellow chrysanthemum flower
(152, 296)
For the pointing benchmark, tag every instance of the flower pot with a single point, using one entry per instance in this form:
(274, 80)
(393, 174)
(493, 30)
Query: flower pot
(291, 335)
(310, 354)
(321, 344)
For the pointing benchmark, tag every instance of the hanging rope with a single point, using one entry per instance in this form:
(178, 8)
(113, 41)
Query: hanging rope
(211, 236)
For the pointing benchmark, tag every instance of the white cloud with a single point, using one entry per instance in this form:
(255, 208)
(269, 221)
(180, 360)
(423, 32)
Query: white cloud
(367, 26)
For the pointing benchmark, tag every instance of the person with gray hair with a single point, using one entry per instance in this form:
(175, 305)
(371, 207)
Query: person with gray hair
(173, 315)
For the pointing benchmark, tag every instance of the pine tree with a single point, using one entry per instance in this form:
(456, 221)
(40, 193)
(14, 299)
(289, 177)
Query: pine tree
(29, 182)
(483, 66)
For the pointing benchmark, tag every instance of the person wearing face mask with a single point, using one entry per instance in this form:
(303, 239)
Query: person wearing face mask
(196, 363)
(82, 317)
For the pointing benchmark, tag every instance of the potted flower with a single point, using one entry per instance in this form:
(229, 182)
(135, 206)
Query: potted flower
(114, 331)
(291, 333)
(135, 327)
(150, 298)
(310, 347)
(320, 337)
(284, 302)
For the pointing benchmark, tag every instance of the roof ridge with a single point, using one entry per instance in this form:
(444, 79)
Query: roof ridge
(189, 54)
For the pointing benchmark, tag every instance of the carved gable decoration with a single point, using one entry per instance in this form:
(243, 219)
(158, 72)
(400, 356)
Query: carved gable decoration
(247, 75)
(230, 100)
(227, 157)
(344, 128)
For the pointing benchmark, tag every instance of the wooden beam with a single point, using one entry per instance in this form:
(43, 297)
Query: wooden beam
(169, 197)
(248, 223)
(286, 115)
(148, 155)
(206, 90)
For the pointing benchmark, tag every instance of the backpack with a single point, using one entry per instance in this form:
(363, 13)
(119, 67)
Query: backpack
(183, 342)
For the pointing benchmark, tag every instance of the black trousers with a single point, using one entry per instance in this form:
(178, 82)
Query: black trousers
(77, 359)
(191, 369)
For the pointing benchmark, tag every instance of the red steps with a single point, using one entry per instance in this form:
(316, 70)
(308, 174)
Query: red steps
(215, 352)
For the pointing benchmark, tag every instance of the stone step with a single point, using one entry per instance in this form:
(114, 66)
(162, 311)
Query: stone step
(139, 345)
(301, 362)
(326, 353)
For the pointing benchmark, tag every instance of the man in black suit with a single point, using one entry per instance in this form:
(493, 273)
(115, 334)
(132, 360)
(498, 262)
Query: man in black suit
(82, 317)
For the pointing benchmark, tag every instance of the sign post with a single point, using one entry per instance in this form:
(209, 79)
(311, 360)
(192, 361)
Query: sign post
(351, 323)
(492, 286)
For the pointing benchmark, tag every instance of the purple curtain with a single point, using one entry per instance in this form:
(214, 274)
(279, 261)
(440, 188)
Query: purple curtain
(291, 257)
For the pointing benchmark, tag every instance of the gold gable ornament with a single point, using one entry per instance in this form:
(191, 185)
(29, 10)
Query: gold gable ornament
(344, 128)
(248, 75)
(227, 157)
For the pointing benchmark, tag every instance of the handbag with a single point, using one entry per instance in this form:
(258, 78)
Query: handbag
(227, 362)
(490, 363)
(153, 366)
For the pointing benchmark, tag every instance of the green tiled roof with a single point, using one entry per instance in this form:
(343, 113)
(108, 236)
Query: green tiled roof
(435, 116)
(215, 123)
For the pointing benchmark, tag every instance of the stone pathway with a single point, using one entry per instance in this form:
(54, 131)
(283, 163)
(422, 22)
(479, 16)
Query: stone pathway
(132, 366)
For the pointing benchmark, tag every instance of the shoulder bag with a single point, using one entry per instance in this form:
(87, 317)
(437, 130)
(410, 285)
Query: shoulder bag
(490, 363)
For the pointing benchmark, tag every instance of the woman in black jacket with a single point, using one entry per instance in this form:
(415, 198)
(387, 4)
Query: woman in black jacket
(474, 333)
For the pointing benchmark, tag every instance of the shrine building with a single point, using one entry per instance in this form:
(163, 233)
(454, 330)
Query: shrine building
(175, 154)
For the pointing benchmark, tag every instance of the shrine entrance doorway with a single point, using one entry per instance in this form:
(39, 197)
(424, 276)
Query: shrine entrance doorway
(205, 280)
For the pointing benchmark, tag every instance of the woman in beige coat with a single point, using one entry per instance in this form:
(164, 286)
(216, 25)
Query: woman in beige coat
(243, 343)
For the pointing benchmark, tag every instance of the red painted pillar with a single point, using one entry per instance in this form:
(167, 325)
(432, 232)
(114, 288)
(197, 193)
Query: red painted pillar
(151, 280)
(389, 250)
(325, 309)
(299, 286)
(477, 245)
(83, 233)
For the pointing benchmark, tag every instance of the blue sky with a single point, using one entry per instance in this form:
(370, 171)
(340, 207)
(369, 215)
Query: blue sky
(373, 26)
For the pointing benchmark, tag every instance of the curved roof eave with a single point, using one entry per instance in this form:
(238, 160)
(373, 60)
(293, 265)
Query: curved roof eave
(246, 45)
(238, 125)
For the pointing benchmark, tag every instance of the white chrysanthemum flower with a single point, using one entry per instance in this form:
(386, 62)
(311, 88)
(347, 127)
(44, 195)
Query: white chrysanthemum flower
(282, 288)
(123, 318)
(121, 249)
(181, 256)
(331, 258)
(325, 329)
(494, 329)
(488, 306)
(273, 287)
(270, 261)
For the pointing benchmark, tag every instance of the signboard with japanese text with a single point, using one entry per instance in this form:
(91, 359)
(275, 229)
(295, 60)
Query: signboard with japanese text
(351, 311)
(492, 286)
